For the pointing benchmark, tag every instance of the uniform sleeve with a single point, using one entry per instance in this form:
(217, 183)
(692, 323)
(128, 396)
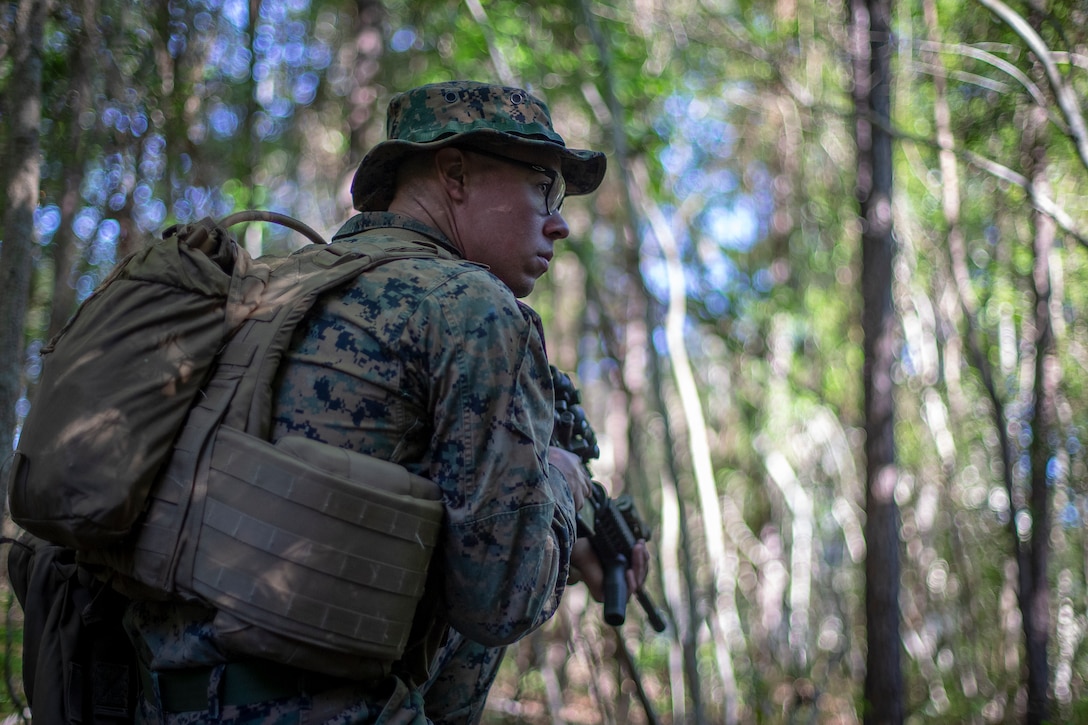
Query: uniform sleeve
(510, 516)
(463, 674)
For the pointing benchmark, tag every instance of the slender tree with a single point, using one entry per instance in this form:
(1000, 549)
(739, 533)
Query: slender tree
(872, 98)
(21, 187)
(1034, 583)
(80, 96)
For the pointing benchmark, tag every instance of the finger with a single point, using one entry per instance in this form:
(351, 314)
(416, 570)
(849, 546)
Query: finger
(640, 560)
(589, 566)
(572, 470)
(580, 489)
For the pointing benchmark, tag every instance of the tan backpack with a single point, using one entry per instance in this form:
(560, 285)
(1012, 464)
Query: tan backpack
(146, 450)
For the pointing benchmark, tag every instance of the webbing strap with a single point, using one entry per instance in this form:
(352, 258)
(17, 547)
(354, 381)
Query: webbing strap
(240, 683)
(294, 286)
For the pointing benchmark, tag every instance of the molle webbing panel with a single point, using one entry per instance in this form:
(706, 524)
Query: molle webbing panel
(308, 554)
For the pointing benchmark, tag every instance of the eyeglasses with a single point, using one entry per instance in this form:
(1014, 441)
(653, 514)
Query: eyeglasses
(557, 185)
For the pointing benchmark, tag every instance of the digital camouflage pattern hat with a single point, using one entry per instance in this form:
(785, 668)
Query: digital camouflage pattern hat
(493, 117)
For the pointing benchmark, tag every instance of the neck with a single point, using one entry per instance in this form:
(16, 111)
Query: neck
(420, 210)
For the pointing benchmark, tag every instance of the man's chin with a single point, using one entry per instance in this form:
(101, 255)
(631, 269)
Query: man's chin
(523, 286)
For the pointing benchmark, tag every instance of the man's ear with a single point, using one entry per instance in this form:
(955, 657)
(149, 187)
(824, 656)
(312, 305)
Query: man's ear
(450, 164)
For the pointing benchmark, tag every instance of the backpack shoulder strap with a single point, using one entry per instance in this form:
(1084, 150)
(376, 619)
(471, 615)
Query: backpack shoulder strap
(254, 353)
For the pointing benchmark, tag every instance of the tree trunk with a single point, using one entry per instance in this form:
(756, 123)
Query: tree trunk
(22, 161)
(872, 74)
(686, 619)
(66, 249)
(1034, 586)
(1035, 592)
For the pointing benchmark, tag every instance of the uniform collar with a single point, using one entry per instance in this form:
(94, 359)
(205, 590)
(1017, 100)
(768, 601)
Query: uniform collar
(368, 220)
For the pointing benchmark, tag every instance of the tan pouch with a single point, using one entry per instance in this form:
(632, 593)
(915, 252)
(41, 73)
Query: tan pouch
(314, 556)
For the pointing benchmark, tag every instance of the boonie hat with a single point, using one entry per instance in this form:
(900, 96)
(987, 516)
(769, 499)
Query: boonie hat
(493, 117)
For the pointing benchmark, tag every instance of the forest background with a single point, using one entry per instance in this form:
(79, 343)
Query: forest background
(827, 311)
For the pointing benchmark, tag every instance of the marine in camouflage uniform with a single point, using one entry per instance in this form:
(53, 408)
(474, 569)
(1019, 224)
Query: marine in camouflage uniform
(434, 364)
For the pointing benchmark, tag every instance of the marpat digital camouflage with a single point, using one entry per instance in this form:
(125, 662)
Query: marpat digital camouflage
(467, 113)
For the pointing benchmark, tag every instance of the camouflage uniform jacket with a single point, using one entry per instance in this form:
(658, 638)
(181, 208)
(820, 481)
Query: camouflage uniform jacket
(433, 364)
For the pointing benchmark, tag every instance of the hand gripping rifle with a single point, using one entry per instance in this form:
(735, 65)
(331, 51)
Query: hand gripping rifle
(613, 526)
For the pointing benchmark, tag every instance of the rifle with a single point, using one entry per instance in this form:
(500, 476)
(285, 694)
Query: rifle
(613, 526)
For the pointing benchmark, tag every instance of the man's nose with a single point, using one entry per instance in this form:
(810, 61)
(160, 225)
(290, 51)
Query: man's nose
(555, 226)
